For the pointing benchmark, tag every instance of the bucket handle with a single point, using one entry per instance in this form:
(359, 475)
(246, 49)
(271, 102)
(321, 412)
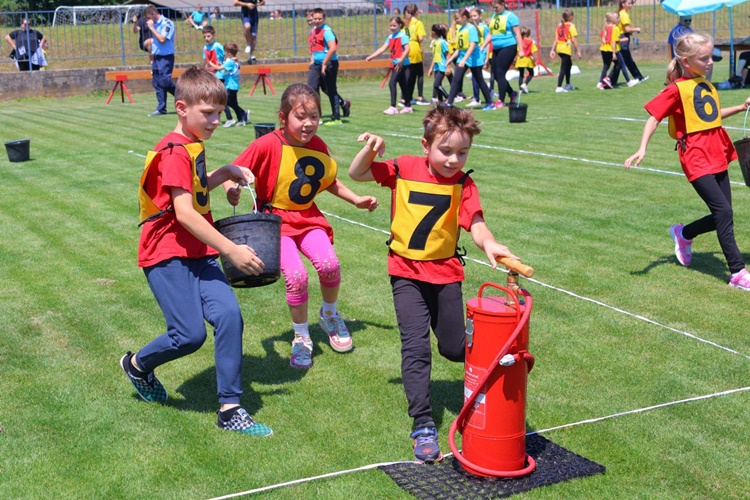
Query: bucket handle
(510, 293)
(255, 200)
(744, 124)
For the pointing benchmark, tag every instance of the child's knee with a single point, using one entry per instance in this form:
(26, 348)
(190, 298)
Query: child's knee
(296, 287)
(189, 342)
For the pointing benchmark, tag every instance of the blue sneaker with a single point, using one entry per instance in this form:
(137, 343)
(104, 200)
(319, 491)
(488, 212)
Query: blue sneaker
(426, 447)
(489, 107)
(243, 423)
(148, 388)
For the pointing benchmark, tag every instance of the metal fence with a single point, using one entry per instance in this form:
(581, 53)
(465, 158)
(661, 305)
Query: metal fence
(106, 38)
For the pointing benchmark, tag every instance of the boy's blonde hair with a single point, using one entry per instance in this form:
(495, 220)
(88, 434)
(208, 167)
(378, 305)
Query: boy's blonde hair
(196, 85)
(611, 17)
(444, 119)
(686, 46)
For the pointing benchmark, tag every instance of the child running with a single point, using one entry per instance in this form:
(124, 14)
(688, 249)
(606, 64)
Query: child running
(178, 250)
(398, 46)
(292, 166)
(565, 34)
(704, 147)
(609, 36)
(424, 269)
(232, 81)
(526, 59)
(439, 48)
(469, 58)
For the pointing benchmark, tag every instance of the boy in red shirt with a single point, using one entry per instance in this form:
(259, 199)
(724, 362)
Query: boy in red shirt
(178, 249)
(426, 272)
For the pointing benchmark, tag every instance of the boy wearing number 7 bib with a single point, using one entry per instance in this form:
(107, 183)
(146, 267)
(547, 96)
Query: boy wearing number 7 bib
(432, 198)
(704, 147)
(291, 167)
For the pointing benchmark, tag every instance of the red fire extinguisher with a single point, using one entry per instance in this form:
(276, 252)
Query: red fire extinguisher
(493, 418)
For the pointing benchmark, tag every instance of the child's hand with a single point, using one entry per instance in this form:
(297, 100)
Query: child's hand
(368, 202)
(375, 143)
(637, 158)
(368, 59)
(233, 195)
(746, 104)
(241, 175)
(495, 250)
(244, 258)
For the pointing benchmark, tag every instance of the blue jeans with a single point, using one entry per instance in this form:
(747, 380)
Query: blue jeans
(189, 291)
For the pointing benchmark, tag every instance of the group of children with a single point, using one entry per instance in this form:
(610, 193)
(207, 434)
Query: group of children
(292, 166)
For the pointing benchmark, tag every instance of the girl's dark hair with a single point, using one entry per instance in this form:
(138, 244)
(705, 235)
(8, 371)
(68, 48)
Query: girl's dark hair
(440, 30)
(397, 20)
(296, 93)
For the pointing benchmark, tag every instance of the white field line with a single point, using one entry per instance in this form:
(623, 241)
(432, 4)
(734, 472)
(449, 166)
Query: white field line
(542, 431)
(641, 120)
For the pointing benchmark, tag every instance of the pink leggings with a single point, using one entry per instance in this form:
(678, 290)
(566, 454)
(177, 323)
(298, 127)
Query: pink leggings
(316, 246)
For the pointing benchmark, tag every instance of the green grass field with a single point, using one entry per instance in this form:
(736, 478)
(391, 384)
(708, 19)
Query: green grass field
(618, 326)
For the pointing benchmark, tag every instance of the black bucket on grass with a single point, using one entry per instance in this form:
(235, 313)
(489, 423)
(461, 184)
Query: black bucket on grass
(262, 233)
(262, 129)
(18, 150)
(517, 112)
(743, 153)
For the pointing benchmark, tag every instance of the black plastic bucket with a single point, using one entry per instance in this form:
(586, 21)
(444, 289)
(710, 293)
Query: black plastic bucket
(18, 150)
(262, 233)
(262, 129)
(517, 112)
(743, 153)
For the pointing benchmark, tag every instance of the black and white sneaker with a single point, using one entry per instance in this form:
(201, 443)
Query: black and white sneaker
(148, 386)
(242, 422)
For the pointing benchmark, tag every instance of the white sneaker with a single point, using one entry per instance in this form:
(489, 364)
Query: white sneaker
(633, 82)
(644, 78)
(601, 86)
(525, 88)
(560, 90)
(301, 357)
(458, 98)
(474, 104)
(229, 123)
(247, 49)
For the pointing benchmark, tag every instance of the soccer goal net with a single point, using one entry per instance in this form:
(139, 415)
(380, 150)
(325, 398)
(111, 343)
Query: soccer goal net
(96, 14)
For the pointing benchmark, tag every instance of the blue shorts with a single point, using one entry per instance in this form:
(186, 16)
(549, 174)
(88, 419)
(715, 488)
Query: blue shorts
(250, 18)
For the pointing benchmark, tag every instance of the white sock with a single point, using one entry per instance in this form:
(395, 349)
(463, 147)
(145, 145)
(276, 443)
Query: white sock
(329, 309)
(302, 330)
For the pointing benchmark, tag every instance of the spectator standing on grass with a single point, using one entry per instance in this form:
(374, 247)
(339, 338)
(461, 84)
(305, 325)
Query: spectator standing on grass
(26, 47)
(426, 276)
(565, 40)
(140, 27)
(692, 105)
(324, 66)
(250, 20)
(162, 50)
(627, 31)
(292, 167)
(178, 249)
(198, 19)
(414, 29)
(505, 40)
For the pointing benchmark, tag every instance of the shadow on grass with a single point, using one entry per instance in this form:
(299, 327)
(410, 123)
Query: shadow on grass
(708, 263)
(444, 395)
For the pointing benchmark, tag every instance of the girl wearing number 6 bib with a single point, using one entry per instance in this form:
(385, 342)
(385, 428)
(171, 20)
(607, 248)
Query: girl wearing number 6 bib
(292, 166)
(692, 105)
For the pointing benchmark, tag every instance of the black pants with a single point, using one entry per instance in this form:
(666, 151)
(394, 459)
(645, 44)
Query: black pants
(458, 77)
(27, 66)
(500, 64)
(714, 189)
(607, 58)
(628, 58)
(232, 103)
(327, 83)
(419, 307)
(400, 78)
(528, 77)
(565, 66)
(614, 75)
(438, 91)
(416, 79)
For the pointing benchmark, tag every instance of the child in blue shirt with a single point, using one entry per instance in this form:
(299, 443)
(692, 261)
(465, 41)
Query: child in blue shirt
(232, 83)
(197, 19)
(439, 47)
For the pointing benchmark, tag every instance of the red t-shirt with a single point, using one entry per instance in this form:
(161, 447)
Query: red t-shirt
(164, 237)
(442, 271)
(706, 152)
(263, 158)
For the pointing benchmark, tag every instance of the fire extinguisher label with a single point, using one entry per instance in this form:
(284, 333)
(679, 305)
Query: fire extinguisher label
(478, 415)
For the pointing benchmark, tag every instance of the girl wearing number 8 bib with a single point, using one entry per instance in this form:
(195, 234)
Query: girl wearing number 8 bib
(292, 166)
(704, 147)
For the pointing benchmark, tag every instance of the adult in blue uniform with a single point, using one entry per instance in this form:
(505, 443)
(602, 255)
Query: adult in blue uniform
(162, 49)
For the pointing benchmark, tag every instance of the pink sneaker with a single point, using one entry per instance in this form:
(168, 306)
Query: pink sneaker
(338, 334)
(301, 354)
(406, 110)
(499, 104)
(741, 280)
(391, 111)
(682, 249)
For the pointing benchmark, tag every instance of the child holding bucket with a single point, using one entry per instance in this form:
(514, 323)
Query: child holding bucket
(292, 167)
(704, 147)
(425, 270)
(178, 249)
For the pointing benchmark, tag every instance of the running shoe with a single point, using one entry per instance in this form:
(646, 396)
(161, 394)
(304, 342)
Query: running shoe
(407, 109)
(633, 82)
(489, 107)
(474, 104)
(229, 123)
(243, 423)
(682, 247)
(741, 280)
(391, 111)
(148, 387)
(513, 97)
(301, 353)
(346, 107)
(426, 447)
(338, 334)
(422, 102)
(560, 90)
(569, 87)
(601, 86)
(524, 88)
(333, 123)
(499, 104)
(607, 83)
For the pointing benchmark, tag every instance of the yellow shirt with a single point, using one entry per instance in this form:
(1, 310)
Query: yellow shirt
(564, 33)
(414, 31)
(607, 44)
(624, 21)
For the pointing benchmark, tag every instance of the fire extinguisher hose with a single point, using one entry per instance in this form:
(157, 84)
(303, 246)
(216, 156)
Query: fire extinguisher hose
(460, 423)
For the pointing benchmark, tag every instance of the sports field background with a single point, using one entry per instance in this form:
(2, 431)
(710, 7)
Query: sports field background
(618, 326)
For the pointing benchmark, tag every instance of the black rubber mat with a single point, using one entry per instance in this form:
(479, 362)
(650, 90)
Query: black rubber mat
(448, 480)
